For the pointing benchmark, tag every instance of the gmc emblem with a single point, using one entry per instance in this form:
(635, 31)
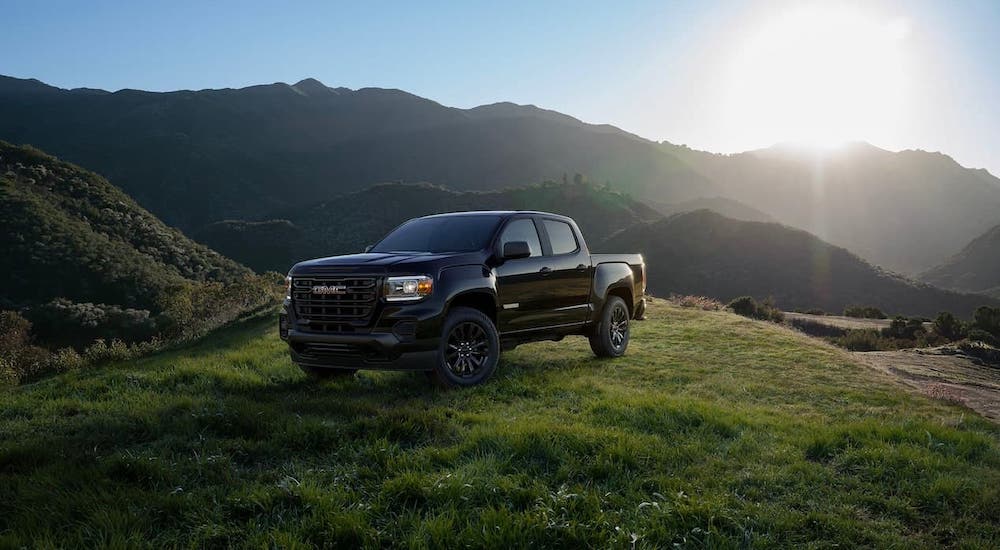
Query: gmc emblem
(332, 289)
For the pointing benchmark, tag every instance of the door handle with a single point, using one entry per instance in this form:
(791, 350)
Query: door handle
(545, 270)
(581, 267)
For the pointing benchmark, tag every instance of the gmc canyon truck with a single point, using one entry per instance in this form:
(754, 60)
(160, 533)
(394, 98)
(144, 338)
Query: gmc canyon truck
(446, 293)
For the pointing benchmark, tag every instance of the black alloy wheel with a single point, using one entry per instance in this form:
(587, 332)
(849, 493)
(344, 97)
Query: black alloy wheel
(611, 334)
(469, 349)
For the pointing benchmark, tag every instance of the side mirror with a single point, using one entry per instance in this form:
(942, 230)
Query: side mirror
(369, 248)
(516, 249)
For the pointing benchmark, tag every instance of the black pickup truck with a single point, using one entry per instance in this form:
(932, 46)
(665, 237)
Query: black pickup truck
(446, 293)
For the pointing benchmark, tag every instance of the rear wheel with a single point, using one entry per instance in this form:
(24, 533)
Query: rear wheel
(327, 373)
(611, 335)
(469, 350)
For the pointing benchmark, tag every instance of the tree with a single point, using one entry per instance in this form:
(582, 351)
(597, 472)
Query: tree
(948, 326)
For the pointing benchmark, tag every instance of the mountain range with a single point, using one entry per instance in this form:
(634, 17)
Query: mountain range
(198, 157)
(349, 222)
(269, 175)
(975, 269)
(705, 253)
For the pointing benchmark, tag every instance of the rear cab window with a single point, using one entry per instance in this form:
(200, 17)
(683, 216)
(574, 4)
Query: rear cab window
(561, 237)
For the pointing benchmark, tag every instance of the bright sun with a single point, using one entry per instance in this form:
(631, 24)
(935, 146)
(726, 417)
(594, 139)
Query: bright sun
(818, 74)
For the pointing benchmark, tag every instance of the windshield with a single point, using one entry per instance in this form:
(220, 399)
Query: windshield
(445, 234)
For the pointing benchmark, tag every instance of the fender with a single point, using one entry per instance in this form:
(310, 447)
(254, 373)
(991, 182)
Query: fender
(608, 277)
(461, 280)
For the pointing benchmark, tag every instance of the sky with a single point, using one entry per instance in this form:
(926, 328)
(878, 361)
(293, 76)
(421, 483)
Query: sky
(722, 76)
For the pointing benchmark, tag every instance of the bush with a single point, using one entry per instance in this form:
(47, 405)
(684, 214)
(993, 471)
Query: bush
(979, 335)
(102, 352)
(65, 323)
(194, 309)
(748, 307)
(864, 312)
(987, 319)
(904, 329)
(695, 302)
(949, 327)
(986, 353)
(8, 376)
(813, 328)
(865, 340)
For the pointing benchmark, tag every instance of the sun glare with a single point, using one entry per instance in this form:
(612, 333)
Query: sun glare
(818, 75)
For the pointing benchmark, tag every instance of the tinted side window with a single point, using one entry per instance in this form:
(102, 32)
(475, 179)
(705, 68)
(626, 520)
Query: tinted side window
(522, 230)
(560, 236)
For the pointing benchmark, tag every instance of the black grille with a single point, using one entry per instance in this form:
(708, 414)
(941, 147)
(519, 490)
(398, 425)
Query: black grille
(348, 310)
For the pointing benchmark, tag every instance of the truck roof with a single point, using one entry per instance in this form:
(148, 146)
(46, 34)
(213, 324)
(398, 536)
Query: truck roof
(494, 213)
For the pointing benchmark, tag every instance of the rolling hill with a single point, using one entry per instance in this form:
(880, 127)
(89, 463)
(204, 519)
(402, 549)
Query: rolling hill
(729, 208)
(196, 157)
(905, 211)
(350, 222)
(975, 269)
(77, 245)
(705, 253)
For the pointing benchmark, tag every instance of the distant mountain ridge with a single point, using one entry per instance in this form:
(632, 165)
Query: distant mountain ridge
(251, 152)
(260, 152)
(975, 269)
(905, 211)
(348, 223)
(705, 253)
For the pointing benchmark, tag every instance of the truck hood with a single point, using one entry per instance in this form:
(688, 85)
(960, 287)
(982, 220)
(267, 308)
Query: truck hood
(381, 262)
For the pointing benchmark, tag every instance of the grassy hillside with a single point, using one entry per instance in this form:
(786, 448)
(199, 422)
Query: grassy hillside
(708, 254)
(248, 153)
(78, 248)
(975, 269)
(714, 431)
(350, 222)
(905, 211)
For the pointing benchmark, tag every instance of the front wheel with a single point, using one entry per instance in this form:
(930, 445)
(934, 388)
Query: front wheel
(611, 335)
(469, 349)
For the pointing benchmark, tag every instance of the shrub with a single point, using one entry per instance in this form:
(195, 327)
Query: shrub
(864, 340)
(948, 326)
(988, 319)
(748, 307)
(864, 312)
(65, 323)
(696, 302)
(66, 359)
(979, 335)
(813, 328)
(8, 376)
(904, 329)
(102, 352)
(986, 353)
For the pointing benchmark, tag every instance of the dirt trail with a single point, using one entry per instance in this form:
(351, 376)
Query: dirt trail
(940, 373)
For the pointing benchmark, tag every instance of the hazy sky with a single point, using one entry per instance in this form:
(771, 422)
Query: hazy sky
(724, 76)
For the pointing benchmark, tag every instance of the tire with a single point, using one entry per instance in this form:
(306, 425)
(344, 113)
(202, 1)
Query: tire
(469, 351)
(327, 373)
(611, 335)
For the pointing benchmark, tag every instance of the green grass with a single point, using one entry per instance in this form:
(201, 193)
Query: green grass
(714, 431)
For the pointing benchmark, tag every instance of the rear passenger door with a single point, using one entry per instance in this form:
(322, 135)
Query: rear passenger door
(520, 286)
(567, 281)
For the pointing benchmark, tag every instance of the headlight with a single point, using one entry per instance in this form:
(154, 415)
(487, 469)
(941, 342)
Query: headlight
(288, 287)
(398, 289)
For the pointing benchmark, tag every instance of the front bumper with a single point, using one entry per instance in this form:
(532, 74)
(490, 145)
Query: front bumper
(359, 351)
(404, 337)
